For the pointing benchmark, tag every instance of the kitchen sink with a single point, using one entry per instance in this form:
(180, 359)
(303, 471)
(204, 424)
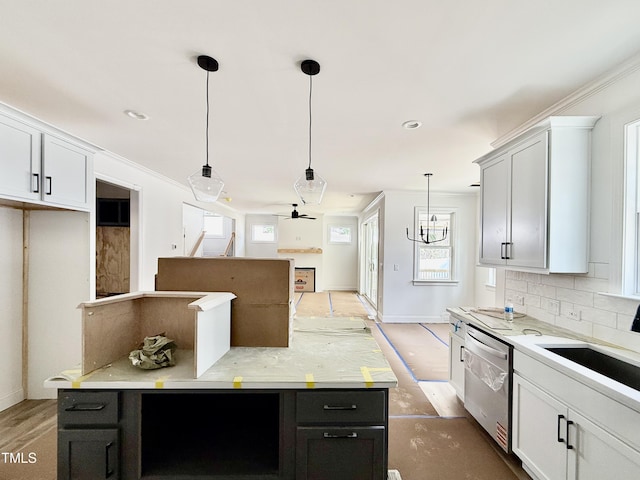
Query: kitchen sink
(624, 372)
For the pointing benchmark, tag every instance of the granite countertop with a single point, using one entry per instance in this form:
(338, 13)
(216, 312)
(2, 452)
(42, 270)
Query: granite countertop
(327, 353)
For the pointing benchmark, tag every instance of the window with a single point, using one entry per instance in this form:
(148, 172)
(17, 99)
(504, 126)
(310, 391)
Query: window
(631, 264)
(214, 225)
(263, 233)
(339, 234)
(434, 262)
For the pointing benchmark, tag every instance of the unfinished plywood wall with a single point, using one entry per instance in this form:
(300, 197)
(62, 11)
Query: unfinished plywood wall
(112, 260)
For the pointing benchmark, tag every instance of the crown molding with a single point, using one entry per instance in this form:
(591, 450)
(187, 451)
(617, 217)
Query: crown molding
(601, 83)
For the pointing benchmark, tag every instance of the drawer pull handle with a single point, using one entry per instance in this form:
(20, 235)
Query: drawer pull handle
(340, 407)
(36, 183)
(559, 438)
(85, 407)
(340, 435)
(49, 184)
(108, 470)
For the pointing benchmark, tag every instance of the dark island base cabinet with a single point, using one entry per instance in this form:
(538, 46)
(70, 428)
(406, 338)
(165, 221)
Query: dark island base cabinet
(223, 434)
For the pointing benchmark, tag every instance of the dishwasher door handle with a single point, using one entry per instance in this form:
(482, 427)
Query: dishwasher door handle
(487, 348)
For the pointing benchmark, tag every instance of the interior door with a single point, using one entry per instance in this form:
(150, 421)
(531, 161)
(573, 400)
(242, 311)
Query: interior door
(371, 259)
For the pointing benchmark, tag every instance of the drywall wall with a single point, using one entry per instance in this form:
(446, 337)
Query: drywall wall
(59, 279)
(11, 391)
(340, 261)
(404, 301)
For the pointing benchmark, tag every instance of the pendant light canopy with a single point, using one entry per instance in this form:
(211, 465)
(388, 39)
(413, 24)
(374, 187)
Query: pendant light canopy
(310, 186)
(433, 234)
(206, 184)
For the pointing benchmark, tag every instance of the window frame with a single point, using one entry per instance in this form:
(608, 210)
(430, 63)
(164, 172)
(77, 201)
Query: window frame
(213, 235)
(631, 221)
(263, 224)
(417, 246)
(336, 242)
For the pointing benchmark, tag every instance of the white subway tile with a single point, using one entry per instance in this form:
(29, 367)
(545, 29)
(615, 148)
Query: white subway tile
(591, 284)
(575, 296)
(564, 281)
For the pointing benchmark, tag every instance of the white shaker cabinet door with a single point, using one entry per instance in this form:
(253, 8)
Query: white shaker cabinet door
(19, 160)
(66, 173)
(528, 215)
(596, 454)
(494, 184)
(539, 422)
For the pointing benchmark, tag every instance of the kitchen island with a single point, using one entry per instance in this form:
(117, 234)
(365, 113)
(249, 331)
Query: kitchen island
(316, 408)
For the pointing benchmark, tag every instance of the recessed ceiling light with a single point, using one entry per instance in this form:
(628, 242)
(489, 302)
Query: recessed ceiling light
(412, 124)
(136, 115)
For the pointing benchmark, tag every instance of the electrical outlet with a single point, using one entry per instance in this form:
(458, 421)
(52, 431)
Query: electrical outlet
(574, 315)
(554, 307)
(519, 299)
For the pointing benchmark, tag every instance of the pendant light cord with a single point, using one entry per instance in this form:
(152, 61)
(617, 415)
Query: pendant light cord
(207, 123)
(310, 90)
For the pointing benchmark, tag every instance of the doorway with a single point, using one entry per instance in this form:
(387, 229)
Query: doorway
(370, 255)
(116, 239)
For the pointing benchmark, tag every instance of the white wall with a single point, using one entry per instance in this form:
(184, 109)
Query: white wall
(605, 317)
(402, 301)
(340, 262)
(161, 204)
(261, 249)
(59, 280)
(11, 390)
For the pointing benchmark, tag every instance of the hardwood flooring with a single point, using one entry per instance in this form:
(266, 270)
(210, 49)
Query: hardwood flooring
(25, 422)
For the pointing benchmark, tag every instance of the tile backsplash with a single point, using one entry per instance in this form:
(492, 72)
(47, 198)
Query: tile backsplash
(576, 302)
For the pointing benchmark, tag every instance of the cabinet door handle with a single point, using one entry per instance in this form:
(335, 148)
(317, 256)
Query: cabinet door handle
(340, 407)
(504, 250)
(560, 439)
(569, 446)
(49, 184)
(462, 353)
(35, 185)
(340, 435)
(108, 470)
(85, 407)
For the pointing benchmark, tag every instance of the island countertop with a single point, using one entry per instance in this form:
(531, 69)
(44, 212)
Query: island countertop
(324, 353)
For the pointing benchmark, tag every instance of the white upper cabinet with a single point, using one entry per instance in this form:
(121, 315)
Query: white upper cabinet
(19, 160)
(43, 169)
(66, 169)
(535, 198)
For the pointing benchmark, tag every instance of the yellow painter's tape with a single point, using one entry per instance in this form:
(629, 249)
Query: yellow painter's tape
(311, 383)
(237, 382)
(366, 374)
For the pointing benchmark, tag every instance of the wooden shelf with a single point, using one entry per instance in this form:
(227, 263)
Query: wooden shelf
(299, 250)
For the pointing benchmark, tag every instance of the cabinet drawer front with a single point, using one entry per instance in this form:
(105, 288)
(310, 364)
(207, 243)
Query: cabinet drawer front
(87, 408)
(341, 453)
(341, 407)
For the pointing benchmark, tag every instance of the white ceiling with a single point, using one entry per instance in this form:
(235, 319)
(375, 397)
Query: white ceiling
(469, 70)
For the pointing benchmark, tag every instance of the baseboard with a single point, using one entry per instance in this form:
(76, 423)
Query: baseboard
(11, 399)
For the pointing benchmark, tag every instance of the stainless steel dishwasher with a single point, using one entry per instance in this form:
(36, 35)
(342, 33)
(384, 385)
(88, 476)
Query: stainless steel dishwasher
(487, 384)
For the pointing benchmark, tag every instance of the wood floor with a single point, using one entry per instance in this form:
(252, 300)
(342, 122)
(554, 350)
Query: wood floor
(25, 422)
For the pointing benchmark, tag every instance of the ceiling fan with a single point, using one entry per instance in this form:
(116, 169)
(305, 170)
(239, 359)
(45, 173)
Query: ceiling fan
(295, 214)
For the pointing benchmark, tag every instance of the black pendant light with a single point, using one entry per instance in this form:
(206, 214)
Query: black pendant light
(430, 235)
(206, 184)
(310, 186)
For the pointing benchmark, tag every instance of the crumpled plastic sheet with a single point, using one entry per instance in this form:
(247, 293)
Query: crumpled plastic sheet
(155, 352)
(489, 374)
